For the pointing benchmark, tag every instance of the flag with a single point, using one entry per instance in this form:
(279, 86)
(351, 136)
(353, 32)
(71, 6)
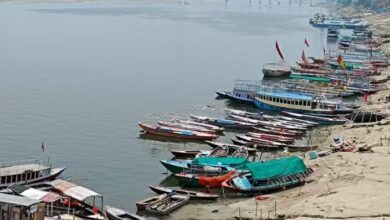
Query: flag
(279, 51)
(340, 60)
(43, 147)
(306, 43)
(304, 57)
(323, 48)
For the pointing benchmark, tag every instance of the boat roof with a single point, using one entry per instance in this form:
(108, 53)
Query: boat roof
(17, 200)
(74, 191)
(20, 169)
(285, 94)
(34, 193)
(276, 168)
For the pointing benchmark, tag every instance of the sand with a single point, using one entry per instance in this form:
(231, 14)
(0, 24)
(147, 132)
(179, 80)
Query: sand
(345, 185)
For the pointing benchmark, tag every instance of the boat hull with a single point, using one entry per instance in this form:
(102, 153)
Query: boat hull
(191, 194)
(158, 132)
(55, 172)
(268, 107)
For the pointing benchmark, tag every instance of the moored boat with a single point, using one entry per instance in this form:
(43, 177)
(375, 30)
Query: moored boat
(208, 126)
(318, 119)
(85, 199)
(186, 127)
(113, 213)
(141, 205)
(302, 148)
(269, 176)
(187, 153)
(283, 100)
(190, 193)
(200, 181)
(276, 69)
(168, 204)
(176, 133)
(232, 147)
(27, 173)
(226, 123)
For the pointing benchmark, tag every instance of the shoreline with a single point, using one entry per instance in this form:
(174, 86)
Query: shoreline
(345, 185)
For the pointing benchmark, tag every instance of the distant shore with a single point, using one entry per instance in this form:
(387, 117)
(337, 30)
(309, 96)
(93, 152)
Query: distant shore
(348, 185)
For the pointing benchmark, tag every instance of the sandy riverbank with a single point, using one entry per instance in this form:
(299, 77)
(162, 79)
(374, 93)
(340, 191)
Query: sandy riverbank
(349, 185)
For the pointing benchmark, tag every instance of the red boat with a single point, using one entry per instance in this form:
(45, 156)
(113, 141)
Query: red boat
(271, 137)
(279, 132)
(176, 133)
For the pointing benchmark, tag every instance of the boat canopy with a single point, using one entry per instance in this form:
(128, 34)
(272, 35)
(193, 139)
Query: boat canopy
(285, 94)
(32, 193)
(219, 161)
(276, 168)
(17, 200)
(74, 191)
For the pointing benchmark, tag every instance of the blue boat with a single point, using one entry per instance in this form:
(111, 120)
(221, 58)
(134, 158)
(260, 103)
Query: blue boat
(339, 23)
(279, 100)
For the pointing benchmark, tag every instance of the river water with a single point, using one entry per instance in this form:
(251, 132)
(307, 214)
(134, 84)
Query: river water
(80, 75)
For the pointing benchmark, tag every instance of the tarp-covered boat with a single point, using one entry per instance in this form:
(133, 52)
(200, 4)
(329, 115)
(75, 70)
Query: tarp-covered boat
(270, 175)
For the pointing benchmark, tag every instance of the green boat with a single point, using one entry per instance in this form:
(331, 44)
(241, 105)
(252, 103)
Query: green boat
(311, 78)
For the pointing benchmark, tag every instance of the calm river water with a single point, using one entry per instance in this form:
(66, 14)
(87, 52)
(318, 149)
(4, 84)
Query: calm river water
(80, 75)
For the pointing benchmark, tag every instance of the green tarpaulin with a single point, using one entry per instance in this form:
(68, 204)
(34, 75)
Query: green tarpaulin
(276, 168)
(219, 161)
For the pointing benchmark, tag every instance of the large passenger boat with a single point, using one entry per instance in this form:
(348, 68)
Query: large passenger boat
(27, 172)
(280, 100)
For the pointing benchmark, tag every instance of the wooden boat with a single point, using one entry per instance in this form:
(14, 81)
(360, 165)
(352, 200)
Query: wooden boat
(332, 33)
(217, 129)
(285, 132)
(302, 148)
(201, 181)
(257, 146)
(271, 122)
(232, 147)
(226, 123)
(259, 141)
(253, 115)
(222, 122)
(176, 133)
(113, 213)
(314, 71)
(244, 119)
(222, 95)
(186, 127)
(191, 194)
(88, 203)
(365, 117)
(221, 151)
(271, 137)
(168, 204)
(27, 173)
(180, 166)
(241, 152)
(245, 97)
(141, 205)
(281, 173)
(306, 122)
(318, 119)
(187, 153)
(276, 69)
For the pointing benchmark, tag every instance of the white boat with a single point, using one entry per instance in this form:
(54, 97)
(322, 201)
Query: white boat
(27, 173)
(276, 69)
